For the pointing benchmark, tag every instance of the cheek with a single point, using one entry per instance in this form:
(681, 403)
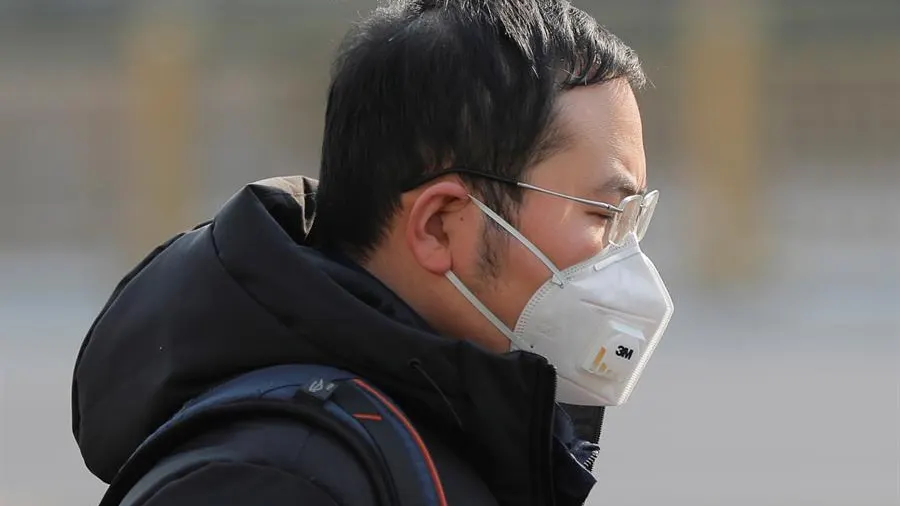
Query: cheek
(524, 269)
(579, 242)
(543, 230)
(519, 277)
(566, 238)
(522, 273)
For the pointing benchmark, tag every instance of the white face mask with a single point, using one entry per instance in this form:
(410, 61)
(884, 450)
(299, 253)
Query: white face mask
(597, 322)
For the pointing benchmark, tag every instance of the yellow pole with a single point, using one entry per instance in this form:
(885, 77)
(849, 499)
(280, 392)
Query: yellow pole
(161, 176)
(721, 51)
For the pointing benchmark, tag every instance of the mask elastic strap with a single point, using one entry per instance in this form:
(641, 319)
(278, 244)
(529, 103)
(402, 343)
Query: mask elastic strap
(556, 276)
(464, 290)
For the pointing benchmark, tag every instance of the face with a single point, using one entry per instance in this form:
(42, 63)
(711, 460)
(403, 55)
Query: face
(604, 161)
(440, 229)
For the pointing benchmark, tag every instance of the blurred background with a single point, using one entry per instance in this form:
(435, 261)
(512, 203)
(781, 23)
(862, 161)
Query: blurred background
(772, 128)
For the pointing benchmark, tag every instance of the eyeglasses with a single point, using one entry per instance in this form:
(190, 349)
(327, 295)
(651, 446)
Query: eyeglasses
(632, 215)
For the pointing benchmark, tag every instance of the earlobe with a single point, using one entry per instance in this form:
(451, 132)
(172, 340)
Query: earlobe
(431, 225)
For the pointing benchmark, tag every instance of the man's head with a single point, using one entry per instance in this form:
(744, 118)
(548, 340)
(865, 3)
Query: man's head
(506, 91)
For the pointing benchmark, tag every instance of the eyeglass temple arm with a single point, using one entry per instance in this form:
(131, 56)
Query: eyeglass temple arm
(462, 170)
(457, 170)
(602, 205)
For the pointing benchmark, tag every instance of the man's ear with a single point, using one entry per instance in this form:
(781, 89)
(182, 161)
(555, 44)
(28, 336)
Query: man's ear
(432, 223)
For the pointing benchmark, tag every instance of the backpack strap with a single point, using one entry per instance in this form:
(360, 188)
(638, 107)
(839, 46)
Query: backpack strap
(355, 413)
(397, 439)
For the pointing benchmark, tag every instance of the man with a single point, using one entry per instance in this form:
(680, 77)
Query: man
(474, 255)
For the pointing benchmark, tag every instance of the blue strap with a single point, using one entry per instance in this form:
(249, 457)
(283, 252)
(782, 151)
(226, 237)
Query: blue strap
(407, 463)
(277, 382)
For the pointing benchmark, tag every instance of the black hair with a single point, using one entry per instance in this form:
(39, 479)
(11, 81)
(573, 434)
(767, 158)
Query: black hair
(423, 85)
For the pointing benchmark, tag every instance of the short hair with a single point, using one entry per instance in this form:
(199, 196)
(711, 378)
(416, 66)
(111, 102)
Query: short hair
(423, 85)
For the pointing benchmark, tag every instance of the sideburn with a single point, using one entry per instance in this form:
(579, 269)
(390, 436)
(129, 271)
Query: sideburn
(490, 251)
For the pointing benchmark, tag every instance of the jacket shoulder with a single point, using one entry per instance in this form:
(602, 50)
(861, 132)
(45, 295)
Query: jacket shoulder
(263, 461)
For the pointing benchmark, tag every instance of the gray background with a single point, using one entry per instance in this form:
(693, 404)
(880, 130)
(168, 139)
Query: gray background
(772, 130)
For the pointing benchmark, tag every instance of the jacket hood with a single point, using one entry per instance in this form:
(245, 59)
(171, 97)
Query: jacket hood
(245, 291)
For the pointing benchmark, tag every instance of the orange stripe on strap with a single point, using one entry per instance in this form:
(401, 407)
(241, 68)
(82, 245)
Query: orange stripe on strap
(439, 487)
(367, 416)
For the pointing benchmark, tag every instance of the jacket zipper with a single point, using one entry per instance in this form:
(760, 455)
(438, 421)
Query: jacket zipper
(595, 437)
(546, 398)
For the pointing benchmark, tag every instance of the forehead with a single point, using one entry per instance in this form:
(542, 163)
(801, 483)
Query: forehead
(603, 126)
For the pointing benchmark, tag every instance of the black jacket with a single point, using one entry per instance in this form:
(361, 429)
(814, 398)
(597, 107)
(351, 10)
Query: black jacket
(243, 292)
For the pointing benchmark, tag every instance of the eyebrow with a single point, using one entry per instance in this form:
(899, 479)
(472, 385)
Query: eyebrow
(620, 183)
